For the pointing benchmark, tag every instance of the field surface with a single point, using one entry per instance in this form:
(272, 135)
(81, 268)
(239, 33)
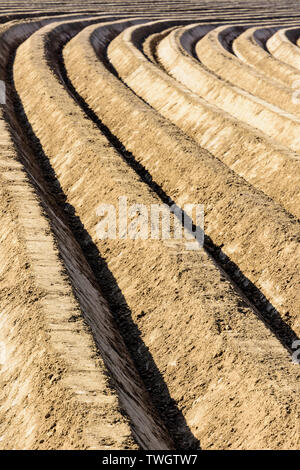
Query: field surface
(123, 342)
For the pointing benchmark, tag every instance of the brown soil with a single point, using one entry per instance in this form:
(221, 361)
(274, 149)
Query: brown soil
(209, 173)
(127, 344)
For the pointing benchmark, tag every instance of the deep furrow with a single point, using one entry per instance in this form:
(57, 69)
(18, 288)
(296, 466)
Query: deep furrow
(146, 426)
(282, 47)
(48, 346)
(250, 47)
(215, 87)
(176, 291)
(215, 53)
(44, 348)
(116, 334)
(215, 191)
(245, 150)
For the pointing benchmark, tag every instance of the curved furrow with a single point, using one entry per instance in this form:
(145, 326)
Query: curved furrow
(49, 353)
(283, 46)
(150, 43)
(255, 157)
(192, 34)
(70, 164)
(119, 329)
(248, 153)
(194, 290)
(246, 93)
(250, 47)
(105, 425)
(211, 182)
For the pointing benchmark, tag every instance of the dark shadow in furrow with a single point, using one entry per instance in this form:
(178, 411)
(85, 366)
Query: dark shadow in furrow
(293, 35)
(188, 40)
(145, 364)
(190, 45)
(267, 311)
(262, 35)
(141, 356)
(249, 293)
(61, 214)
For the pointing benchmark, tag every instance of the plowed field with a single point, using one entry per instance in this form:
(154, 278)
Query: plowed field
(148, 341)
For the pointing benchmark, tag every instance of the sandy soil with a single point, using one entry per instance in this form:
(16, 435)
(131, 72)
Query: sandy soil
(127, 344)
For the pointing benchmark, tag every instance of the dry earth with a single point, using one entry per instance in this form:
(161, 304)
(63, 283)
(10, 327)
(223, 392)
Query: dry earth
(121, 343)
